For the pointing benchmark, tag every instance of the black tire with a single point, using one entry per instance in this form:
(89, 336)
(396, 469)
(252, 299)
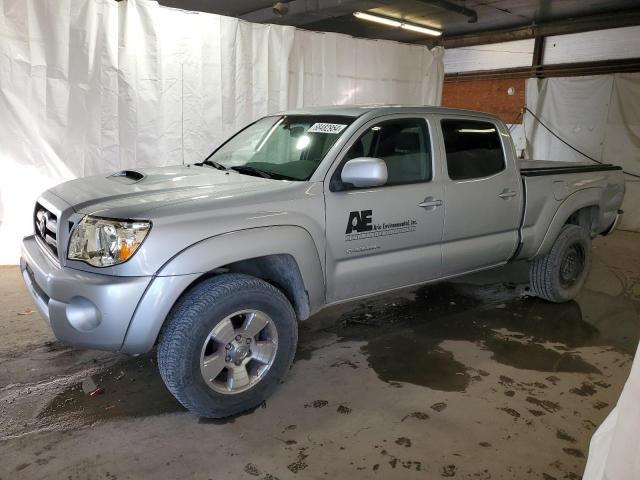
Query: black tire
(551, 277)
(191, 321)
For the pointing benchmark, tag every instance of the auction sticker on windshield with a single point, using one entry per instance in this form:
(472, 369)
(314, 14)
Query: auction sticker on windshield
(326, 128)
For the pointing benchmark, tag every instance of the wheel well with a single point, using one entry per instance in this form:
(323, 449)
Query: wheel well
(281, 271)
(586, 217)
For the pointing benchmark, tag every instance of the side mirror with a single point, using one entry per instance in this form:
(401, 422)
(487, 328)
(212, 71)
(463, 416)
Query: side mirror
(365, 172)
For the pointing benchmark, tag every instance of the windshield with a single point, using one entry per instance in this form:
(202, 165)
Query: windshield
(283, 147)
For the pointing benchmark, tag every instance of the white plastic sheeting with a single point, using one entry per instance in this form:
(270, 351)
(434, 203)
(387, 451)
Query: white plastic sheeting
(598, 45)
(93, 86)
(493, 56)
(599, 115)
(614, 452)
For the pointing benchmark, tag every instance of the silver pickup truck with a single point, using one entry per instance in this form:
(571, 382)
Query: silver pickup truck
(215, 262)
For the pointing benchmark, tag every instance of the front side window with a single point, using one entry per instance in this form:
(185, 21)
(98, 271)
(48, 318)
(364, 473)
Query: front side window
(283, 147)
(404, 146)
(473, 149)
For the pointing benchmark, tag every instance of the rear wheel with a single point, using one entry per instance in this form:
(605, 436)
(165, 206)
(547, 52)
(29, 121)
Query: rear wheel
(559, 275)
(227, 345)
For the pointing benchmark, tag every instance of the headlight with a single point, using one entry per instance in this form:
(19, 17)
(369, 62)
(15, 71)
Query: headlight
(102, 242)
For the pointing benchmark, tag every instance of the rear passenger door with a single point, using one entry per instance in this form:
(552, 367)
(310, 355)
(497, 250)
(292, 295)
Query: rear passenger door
(483, 197)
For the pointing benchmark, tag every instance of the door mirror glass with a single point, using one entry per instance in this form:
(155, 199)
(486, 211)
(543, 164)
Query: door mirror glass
(365, 172)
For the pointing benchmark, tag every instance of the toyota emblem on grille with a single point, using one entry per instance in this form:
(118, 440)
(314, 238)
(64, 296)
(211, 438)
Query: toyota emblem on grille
(41, 222)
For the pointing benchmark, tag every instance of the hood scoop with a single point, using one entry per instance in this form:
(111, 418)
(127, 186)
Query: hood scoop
(127, 176)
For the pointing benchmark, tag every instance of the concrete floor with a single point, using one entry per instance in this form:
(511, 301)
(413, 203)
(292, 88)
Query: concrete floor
(470, 379)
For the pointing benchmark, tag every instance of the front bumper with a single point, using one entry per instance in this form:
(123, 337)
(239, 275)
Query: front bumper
(83, 309)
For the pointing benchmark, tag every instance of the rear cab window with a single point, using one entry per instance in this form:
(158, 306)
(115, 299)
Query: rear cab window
(473, 149)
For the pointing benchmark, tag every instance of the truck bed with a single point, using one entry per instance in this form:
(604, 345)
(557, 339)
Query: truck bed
(552, 187)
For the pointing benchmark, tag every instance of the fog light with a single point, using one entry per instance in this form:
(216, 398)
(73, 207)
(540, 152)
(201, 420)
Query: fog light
(82, 314)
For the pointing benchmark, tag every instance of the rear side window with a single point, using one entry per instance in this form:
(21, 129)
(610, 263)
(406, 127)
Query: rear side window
(473, 149)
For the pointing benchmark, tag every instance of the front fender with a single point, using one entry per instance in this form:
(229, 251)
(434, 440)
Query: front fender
(176, 275)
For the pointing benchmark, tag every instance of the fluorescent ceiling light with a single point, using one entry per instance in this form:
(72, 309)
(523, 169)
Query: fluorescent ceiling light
(396, 23)
(375, 18)
(420, 29)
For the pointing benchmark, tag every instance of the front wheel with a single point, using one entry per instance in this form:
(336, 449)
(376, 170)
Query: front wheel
(559, 275)
(227, 345)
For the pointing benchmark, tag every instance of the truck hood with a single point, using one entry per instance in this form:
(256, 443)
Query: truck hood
(135, 193)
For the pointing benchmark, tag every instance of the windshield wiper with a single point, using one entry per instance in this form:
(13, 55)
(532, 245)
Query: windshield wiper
(212, 163)
(262, 173)
(252, 171)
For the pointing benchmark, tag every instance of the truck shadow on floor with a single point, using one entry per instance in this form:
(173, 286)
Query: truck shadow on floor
(402, 337)
(131, 388)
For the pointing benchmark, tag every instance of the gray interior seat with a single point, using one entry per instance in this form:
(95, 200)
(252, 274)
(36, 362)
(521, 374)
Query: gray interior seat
(405, 161)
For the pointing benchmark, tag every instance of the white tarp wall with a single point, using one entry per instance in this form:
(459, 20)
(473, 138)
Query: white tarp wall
(94, 86)
(599, 115)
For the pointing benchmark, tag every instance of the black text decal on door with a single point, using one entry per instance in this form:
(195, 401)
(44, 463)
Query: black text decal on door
(359, 221)
(360, 226)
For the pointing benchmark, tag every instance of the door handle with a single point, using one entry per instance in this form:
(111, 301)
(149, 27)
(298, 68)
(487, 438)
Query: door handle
(430, 203)
(507, 194)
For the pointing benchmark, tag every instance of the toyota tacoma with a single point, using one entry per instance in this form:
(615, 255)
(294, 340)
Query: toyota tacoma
(214, 263)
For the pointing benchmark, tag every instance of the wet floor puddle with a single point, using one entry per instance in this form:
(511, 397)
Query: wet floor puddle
(403, 336)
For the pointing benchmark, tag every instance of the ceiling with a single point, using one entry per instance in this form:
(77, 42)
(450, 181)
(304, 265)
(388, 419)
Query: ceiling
(492, 15)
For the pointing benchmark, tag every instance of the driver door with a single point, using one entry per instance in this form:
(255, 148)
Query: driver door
(385, 237)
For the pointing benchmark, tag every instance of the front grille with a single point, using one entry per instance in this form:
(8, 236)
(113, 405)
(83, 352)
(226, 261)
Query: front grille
(46, 228)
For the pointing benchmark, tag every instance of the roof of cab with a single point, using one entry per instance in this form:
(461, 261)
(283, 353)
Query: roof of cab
(375, 110)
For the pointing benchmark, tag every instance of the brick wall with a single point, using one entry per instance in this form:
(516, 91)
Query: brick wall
(486, 96)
